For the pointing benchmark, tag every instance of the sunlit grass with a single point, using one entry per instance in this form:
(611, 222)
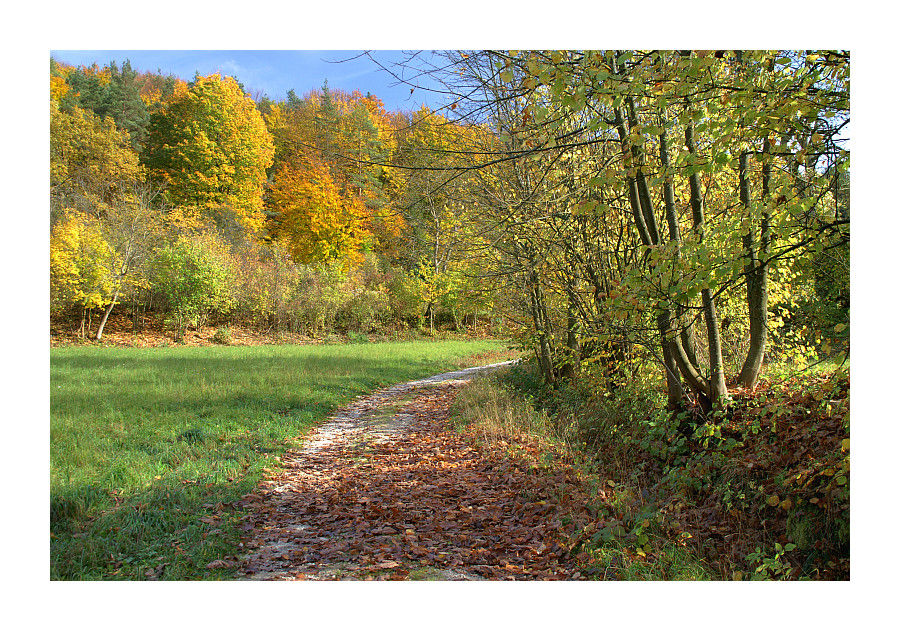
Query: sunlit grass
(148, 446)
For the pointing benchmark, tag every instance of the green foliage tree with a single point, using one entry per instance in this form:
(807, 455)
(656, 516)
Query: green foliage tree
(193, 276)
(126, 106)
(647, 190)
(108, 92)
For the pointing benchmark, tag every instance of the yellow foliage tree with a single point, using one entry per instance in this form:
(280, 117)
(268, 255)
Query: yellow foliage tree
(92, 165)
(212, 148)
(83, 265)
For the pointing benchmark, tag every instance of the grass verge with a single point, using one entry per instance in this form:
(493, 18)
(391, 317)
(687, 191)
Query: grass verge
(151, 449)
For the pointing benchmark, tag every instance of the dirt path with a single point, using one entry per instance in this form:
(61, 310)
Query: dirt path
(385, 490)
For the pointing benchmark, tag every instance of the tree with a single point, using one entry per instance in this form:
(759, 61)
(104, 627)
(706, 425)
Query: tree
(98, 192)
(126, 106)
(130, 228)
(312, 215)
(350, 135)
(92, 165)
(705, 224)
(82, 265)
(212, 148)
(437, 205)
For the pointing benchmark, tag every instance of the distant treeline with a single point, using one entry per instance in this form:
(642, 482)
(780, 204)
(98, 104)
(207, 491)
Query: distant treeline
(314, 214)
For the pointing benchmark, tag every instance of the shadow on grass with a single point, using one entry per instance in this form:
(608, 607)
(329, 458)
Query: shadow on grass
(168, 531)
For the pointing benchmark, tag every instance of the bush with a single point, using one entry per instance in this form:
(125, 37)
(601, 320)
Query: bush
(364, 311)
(222, 336)
(193, 277)
(316, 298)
(405, 297)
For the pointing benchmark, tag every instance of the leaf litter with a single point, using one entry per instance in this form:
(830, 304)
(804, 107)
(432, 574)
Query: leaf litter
(390, 490)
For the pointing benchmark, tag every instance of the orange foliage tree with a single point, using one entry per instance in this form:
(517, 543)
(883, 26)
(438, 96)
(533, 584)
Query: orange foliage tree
(312, 215)
(351, 136)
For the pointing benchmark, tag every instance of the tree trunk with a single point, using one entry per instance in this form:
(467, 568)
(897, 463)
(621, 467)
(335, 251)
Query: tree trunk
(757, 274)
(717, 388)
(106, 315)
(543, 351)
(674, 393)
(645, 222)
(686, 331)
(546, 348)
(573, 347)
(277, 297)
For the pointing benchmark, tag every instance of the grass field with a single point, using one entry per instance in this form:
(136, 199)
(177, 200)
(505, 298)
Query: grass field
(151, 448)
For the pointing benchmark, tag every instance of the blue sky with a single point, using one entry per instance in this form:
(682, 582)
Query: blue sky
(272, 72)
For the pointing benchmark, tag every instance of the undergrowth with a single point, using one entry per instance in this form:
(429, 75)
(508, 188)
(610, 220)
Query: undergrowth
(758, 491)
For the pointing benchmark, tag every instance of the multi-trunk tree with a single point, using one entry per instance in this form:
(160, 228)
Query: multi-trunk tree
(724, 163)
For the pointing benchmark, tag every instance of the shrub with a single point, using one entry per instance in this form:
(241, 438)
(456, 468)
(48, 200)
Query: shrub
(316, 298)
(222, 336)
(405, 297)
(364, 311)
(194, 278)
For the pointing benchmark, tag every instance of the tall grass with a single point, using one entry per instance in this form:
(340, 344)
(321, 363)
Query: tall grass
(151, 448)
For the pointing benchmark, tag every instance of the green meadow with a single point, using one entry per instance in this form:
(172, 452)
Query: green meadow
(151, 448)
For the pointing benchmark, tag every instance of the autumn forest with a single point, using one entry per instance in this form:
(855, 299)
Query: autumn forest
(661, 238)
